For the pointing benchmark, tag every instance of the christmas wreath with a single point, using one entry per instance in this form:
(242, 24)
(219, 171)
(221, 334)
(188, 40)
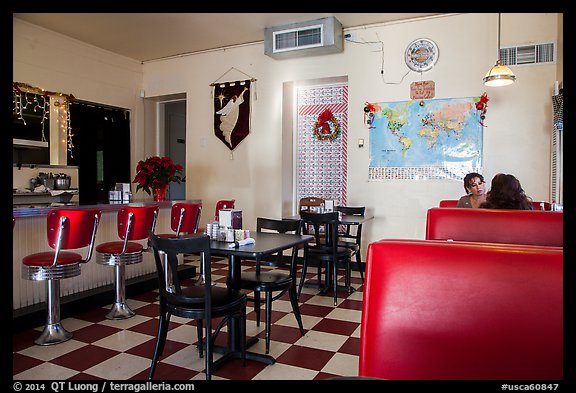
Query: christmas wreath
(326, 127)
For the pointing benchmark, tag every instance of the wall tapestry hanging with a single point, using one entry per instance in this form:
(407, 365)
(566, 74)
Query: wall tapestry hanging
(422, 140)
(232, 110)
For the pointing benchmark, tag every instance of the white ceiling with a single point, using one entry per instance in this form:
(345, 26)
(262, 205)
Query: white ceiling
(150, 36)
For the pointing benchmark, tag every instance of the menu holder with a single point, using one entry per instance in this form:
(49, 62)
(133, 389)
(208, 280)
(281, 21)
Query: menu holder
(230, 218)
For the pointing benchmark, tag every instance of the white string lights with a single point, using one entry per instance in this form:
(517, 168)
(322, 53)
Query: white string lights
(24, 95)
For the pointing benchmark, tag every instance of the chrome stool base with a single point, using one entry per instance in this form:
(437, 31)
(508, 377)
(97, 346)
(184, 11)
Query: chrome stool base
(53, 334)
(120, 311)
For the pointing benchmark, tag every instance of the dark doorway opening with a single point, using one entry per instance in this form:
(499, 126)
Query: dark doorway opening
(101, 139)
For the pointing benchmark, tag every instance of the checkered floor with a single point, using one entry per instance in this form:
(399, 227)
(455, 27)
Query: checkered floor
(121, 350)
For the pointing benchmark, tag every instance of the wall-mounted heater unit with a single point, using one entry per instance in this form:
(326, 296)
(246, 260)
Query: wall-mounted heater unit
(311, 38)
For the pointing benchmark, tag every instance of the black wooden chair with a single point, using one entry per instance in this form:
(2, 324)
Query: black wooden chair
(275, 281)
(200, 302)
(351, 235)
(326, 251)
(311, 203)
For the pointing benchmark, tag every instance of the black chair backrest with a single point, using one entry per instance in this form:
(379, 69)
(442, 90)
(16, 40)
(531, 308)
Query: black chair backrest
(308, 202)
(325, 226)
(352, 211)
(171, 247)
(280, 226)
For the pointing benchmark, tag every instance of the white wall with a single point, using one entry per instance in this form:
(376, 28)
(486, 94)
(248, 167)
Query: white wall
(516, 139)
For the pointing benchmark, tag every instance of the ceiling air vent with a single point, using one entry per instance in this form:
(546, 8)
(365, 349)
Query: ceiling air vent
(529, 54)
(316, 37)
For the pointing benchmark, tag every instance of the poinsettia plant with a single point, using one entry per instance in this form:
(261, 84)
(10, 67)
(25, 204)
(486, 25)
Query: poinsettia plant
(156, 172)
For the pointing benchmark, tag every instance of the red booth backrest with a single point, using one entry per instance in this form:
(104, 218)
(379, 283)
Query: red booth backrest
(536, 227)
(448, 203)
(536, 205)
(461, 311)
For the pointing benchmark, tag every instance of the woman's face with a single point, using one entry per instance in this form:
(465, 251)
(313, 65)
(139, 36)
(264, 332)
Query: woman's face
(476, 186)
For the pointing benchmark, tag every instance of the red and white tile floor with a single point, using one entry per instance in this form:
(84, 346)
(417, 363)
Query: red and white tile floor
(121, 350)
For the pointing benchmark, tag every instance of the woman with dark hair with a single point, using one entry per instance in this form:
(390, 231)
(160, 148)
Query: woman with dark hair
(474, 187)
(506, 193)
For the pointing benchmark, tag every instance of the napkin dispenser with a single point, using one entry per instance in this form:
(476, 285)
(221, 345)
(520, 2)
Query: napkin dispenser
(329, 205)
(230, 218)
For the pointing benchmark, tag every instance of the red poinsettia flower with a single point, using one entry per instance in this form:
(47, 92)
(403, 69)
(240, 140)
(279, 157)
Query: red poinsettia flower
(155, 172)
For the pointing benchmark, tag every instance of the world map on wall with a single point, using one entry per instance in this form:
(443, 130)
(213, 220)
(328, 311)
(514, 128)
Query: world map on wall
(428, 139)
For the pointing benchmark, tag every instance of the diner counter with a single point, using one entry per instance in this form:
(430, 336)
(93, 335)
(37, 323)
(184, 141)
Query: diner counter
(29, 236)
(42, 209)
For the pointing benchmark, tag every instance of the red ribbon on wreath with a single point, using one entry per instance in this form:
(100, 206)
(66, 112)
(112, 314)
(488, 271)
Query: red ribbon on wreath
(481, 106)
(326, 127)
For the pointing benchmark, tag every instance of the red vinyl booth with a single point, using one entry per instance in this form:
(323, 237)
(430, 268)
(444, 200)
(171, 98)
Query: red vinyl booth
(448, 203)
(434, 310)
(542, 228)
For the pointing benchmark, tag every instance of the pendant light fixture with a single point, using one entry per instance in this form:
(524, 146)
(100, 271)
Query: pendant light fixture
(499, 75)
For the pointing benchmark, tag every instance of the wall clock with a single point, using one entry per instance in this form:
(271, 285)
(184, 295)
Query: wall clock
(421, 55)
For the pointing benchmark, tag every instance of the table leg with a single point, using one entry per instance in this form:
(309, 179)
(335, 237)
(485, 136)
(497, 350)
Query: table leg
(233, 350)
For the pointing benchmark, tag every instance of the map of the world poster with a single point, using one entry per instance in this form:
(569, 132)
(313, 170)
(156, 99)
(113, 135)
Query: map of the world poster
(421, 140)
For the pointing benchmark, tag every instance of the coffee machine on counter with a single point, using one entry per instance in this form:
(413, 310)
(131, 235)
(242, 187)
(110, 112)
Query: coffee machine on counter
(120, 194)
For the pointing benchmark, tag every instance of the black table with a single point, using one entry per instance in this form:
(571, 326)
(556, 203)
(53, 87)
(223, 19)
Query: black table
(345, 219)
(266, 243)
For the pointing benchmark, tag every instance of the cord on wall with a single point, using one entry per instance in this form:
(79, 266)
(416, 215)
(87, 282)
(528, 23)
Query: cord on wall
(348, 37)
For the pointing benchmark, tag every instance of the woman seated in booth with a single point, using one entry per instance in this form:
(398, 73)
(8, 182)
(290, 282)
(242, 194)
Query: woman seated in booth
(506, 193)
(475, 192)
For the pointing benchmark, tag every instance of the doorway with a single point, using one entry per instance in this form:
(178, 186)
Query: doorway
(175, 139)
(165, 134)
(321, 134)
(101, 149)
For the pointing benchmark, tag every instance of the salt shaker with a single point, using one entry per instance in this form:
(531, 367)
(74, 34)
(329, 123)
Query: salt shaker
(229, 234)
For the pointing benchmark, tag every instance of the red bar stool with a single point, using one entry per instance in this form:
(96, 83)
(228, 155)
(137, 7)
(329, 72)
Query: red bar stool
(67, 229)
(223, 204)
(184, 219)
(134, 223)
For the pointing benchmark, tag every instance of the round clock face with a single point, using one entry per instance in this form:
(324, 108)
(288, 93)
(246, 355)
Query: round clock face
(421, 54)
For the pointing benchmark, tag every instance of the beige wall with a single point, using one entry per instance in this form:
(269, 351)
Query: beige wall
(516, 139)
